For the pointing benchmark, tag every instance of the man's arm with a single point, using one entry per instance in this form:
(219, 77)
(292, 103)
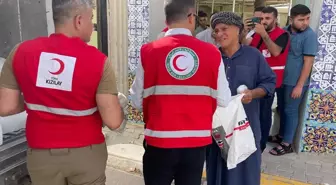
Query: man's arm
(282, 41)
(306, 69)
(11, 99)
(272, 47)
(248, 32)
(266, 80)
(107, 98)
(309, 51)
(247, 37)
(137, 89)
(201, 36)
(223, 90)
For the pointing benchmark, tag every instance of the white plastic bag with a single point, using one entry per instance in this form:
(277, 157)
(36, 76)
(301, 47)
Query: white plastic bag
(232, 132)
(11, 123)
(123, 103)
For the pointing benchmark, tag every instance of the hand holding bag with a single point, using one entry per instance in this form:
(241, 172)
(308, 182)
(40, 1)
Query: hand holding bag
(232, 132)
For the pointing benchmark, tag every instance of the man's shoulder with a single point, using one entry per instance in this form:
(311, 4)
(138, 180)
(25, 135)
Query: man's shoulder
(93, 49)
(250, 50)
(252, 53)
(204, 32)
(28, 46)
(285, 28)
(205, 45)
(32, 42)
(198, 28)
(309, 32)
(150, 44)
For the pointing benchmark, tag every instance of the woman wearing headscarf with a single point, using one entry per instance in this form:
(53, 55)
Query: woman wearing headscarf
(244, 65)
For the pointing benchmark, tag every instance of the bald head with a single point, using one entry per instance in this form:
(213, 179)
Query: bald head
(66, 9)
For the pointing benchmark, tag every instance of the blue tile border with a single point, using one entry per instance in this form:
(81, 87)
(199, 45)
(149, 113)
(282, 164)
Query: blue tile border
(138, 34)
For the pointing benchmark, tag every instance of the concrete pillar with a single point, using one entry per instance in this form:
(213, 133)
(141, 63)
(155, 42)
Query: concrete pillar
(156, 18)
(50, 21)
(305, 2)
(118, 41)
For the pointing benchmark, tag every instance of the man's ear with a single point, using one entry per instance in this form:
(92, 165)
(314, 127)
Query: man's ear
(190, 19)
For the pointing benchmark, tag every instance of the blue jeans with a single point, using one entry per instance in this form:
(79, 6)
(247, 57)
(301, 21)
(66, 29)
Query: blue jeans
(289, 114)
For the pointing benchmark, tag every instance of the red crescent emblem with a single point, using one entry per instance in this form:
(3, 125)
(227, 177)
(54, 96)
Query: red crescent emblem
(175, 63)
(61, 69)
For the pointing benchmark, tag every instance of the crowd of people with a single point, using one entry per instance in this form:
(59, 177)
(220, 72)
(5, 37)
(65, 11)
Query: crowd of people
(270, 60)
(68, 90)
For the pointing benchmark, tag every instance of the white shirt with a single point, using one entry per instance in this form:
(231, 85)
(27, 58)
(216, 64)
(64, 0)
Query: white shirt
(250, 34)
(137, 89)
(206, 36)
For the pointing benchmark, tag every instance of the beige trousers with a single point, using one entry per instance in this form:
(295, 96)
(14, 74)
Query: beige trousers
(69, 166)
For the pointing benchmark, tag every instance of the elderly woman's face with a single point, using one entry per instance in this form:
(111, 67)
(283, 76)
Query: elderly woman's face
(225, 35)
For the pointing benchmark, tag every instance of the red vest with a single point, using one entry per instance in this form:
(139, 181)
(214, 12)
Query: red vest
(180, 85)
(165, 29)
(276, 63)
(59, 77)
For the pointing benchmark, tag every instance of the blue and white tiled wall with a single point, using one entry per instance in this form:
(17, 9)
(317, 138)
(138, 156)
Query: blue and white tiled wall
(138, 34)
(319, 131)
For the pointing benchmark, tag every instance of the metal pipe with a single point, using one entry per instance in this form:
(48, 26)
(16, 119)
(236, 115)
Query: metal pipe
(243, 9)
(290, 6)
(234, 6)
(213, 6)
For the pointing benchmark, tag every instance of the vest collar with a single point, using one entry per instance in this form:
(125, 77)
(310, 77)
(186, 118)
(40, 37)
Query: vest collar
(178, 31)
(274, 30)
(64, 37)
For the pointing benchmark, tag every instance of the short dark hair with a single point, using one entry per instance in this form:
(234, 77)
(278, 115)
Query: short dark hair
(299, 9)
(177, 10)
(270, 9)
(259, 9)
(202, 14)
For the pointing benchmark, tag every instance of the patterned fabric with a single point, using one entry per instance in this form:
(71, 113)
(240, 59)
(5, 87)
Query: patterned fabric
(228, 18)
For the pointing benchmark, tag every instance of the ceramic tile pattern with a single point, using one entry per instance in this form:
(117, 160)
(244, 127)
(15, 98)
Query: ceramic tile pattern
(138, 24)
(319, 132)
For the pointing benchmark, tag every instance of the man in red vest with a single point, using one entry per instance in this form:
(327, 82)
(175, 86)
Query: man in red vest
(273, 43)
(179, 83)
(69, 90)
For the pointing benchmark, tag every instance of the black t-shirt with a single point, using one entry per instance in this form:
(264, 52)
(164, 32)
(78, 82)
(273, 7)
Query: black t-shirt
(281, 41)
